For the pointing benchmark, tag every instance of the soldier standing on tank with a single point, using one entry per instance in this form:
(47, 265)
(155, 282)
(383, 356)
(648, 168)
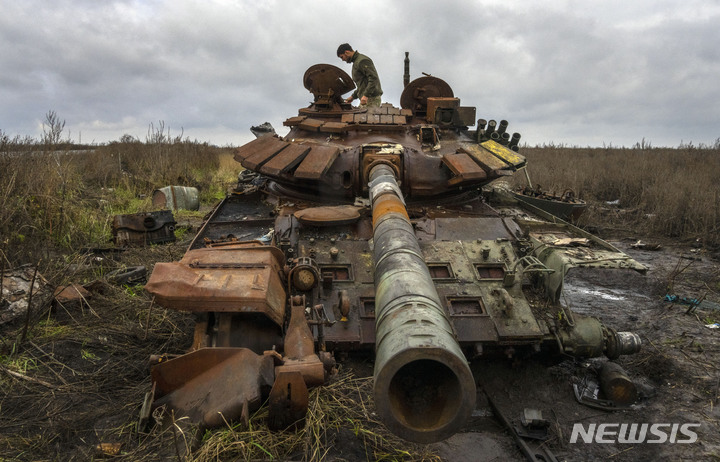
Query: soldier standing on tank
(365, 77)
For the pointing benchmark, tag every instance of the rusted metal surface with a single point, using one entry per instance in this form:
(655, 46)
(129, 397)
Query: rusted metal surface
(176, 197)
(261, 144)
(317, 162)
(212, 386)
(565, 206)
(328, 216)
(272, 147)
(144, 228)
(464, 168)
(616, 385)
(73, 293)
(300, 347)
(493, 165)
(286, 160)
(375, 230)
(321, 80)
(416, 94)
(288, 401)
(237, 277)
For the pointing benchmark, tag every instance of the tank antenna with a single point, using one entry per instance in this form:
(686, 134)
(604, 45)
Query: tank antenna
(406, 76)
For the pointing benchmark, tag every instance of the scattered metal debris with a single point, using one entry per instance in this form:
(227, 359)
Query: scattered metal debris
(616, 385)
(533, 425)
(144, 228)
(130, 275)
(71, 294)
(16, 291)
(606, 387)
(177, 198)
(532, 452)
(646, 246)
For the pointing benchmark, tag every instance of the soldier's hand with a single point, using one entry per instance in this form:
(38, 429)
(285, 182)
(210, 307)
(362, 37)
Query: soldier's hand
(363, 101)
(349, 99)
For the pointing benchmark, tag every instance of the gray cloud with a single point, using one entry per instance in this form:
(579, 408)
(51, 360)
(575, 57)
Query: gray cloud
(565, 72)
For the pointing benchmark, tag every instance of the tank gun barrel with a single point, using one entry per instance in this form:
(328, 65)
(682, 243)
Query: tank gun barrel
(424, 389)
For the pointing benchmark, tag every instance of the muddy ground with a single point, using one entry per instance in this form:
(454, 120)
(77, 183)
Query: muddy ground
(676, 372)
(81, 372)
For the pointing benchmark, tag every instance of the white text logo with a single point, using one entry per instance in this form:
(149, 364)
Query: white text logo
(635, 433)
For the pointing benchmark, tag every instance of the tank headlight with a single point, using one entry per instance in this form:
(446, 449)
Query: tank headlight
(304, 279)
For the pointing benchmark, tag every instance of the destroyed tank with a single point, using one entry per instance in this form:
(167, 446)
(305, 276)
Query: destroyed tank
(376, 230)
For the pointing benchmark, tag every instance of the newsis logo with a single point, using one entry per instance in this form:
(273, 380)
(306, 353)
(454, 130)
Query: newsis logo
(635, 433)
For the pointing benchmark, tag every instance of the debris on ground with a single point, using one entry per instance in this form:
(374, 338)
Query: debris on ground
(16, 292)
(145, 228)
(645, 246)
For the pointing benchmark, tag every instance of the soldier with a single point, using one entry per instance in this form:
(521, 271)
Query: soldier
(365, 77)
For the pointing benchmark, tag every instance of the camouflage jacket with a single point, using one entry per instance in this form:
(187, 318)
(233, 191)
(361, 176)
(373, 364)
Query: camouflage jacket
(365, 77)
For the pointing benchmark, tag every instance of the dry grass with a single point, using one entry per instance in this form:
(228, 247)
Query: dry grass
(56, 198)
(340, 424)
(660, 192)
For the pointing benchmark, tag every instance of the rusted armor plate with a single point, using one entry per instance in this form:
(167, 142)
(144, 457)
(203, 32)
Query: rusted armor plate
(317, 162)
(464, 168)
(288, 401)
(334, 127)
(329, 216)
(293, 121)
(254, 146)
(311, 125)
(286, 160)
(212, 386)
(508, 156)
(484, 158)
(231, 278)
(269, 150)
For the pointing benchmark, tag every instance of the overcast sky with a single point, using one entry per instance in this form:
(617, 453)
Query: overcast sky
(588, 73)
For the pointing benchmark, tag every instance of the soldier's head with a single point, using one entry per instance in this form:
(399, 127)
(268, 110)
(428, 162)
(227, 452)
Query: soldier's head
(345, 52)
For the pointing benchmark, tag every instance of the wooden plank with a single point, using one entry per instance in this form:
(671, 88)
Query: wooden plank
(484, 158)
(252, 147)
(317, 162)
(286, 160)
(260, 157)
(311, 125)
(464, 168)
